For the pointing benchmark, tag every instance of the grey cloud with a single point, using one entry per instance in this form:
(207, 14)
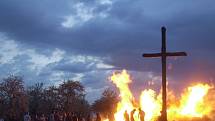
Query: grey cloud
(131, 28)
(76, 67)
(96, 79)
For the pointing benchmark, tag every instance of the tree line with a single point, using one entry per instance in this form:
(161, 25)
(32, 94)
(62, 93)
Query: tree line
(69, 96)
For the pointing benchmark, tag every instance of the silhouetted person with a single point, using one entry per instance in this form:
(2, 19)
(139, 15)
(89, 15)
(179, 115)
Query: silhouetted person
(57, 116)
(141, 114)
(27, 117)
(132, 115)
(98, 117)
(88, 118)
(42, 117)
(160, 117)
(80, 116)
(74, 117)
(68, 117)
(35, 117)
(126, 116)
(51, 116)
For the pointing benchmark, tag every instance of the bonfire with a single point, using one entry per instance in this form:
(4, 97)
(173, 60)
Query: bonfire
(196, 102)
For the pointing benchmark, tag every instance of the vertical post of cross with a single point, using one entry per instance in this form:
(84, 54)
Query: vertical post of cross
(163, 61)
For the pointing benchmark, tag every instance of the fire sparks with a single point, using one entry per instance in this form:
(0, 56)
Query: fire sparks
(191, 103)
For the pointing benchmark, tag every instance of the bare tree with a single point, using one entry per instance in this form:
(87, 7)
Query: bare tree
(14, 100)
(35, 96)
(68, 96)
(38, 99)
(52, 98)
(72, 96)
(106, 105)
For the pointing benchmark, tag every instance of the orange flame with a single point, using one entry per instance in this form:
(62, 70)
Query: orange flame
(150, 104)
(193, 102)
(190, 105)
(122, 80)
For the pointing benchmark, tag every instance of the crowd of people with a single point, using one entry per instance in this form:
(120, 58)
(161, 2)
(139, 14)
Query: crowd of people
(131, 117)
(59, 116)
(68, 116)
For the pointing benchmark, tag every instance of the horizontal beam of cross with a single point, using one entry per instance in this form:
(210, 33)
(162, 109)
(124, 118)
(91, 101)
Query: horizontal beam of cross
(165, 54)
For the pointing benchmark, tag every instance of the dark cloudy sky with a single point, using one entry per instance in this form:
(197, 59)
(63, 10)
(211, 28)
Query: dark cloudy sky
(53, 40)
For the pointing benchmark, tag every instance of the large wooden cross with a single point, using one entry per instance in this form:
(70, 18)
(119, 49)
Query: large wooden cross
(163, 54)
